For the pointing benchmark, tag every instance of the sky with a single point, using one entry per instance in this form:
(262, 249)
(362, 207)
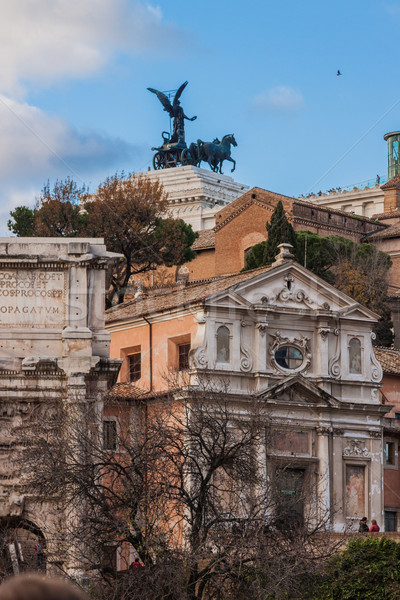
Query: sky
(74, 73)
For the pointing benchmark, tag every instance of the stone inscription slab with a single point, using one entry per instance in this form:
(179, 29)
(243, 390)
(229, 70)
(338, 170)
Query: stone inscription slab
(32, 298)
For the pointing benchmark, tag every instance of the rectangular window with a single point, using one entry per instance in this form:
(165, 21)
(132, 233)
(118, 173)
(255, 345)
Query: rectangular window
(135, 366)
(183, 357)
(110, 435)
(390, 520)
(397, 416)
(390, 458)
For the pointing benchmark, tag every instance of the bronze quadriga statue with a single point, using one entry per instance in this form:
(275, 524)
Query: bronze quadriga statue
(174, 151)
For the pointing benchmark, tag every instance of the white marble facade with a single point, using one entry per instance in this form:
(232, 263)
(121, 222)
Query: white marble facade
(196, 195)
(53, 346)
(306, 350)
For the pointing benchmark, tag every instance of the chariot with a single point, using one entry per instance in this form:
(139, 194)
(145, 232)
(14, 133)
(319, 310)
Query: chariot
(171, 154)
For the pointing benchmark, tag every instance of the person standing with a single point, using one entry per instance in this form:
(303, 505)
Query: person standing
(39, 553)
(374, 526)
(363, 526)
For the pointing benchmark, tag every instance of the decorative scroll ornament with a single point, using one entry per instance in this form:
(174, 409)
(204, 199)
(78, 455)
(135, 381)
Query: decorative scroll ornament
(334, 361)
(354, 449)
(325, 331)
(302, 343)
(376, 371)
(288, 294)
(246, 362)
(200, 357)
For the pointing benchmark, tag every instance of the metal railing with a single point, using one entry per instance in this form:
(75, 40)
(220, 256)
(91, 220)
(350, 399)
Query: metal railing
(362, 185)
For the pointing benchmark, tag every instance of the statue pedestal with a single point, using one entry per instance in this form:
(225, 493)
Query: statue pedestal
(195, 194)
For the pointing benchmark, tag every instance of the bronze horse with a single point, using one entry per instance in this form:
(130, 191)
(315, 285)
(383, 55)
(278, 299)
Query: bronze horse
(213, 152)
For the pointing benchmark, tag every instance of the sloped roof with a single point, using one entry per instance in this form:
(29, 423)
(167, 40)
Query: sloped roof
(206, 239)
(392, 184)
(125, 391)
(387, 215)
(389, 359)
(256, 194)
(270, 199)
(391, 231)
(177, 296)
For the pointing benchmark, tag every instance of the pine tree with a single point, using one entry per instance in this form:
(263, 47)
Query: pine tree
(279, 231)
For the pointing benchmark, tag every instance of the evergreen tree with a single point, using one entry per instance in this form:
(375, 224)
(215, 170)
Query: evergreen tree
(279, 231)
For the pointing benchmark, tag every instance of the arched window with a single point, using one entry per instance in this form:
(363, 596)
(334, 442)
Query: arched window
(355, 356)
(223, 353)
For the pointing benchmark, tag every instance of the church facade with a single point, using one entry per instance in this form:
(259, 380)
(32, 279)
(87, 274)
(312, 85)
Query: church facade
(301, 347)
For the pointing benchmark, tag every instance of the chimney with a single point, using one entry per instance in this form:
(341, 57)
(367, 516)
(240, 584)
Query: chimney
(284, 254)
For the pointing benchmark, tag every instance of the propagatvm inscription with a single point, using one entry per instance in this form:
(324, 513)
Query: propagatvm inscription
(31, 298)
(174, 151)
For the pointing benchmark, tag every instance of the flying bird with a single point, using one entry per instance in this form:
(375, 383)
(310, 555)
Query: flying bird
(338, 73)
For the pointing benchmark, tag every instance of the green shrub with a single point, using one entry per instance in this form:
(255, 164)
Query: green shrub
(368, 568)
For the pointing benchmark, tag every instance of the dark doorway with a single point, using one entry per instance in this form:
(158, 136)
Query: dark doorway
(290, 497)
(19, 549)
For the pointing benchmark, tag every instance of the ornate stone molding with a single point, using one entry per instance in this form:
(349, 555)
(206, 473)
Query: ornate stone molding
(323, 430)
(246, 362)
(325, 331)
(334, 361)
(354, 449)
(375, 434)
(200, 357)
(302, 343)
(376, 370)
(262, 327)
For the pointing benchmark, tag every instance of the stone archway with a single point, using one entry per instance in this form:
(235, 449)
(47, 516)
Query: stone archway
(18, 539)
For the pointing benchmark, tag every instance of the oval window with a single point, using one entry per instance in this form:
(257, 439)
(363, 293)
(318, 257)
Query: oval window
(289, 357)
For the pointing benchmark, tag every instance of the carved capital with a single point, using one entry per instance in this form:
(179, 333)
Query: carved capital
(262, 327)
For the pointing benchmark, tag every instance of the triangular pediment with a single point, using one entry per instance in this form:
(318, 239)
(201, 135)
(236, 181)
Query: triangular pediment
(297, 389)
(229, 298)
(289, 286)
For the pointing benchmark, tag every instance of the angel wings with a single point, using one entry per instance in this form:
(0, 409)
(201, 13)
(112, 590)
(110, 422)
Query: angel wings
(170, 108)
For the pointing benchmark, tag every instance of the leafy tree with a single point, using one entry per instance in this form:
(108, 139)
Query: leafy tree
(129, 213)
(58, 211)
(368, 568)
(22, 222)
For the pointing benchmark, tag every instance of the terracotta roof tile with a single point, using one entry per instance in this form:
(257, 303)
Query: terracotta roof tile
(391, 231)
(393, 183)
(387, 215)
(125, 391)
(389, 359)
(206, 239)
(177, 296)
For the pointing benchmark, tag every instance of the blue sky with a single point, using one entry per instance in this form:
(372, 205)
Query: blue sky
(73, 98)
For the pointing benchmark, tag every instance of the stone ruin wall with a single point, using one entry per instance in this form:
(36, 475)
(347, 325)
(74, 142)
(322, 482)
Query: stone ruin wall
(53, 346)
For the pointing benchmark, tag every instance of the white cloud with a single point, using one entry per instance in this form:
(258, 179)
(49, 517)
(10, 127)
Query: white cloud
(280, 99)
(35, 143)
(43, 41)
(36, 147)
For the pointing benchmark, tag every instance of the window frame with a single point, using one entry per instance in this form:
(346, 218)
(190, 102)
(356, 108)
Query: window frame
(223, 364)
(130, 357)
(184, 366)
(107, 420)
